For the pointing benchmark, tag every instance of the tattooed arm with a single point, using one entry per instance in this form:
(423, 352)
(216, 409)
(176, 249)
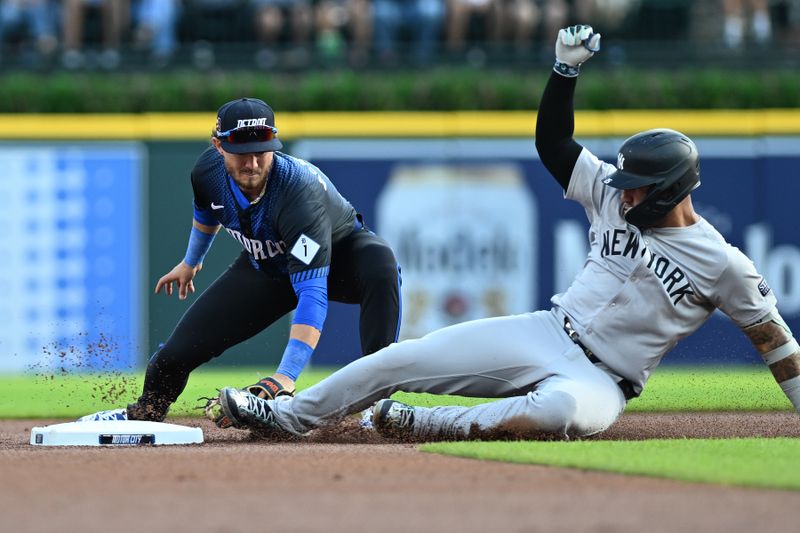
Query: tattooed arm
(774, 341)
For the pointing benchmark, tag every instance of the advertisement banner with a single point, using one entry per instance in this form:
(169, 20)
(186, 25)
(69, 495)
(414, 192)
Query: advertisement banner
(71, 260)
(426, 197)
(466, 239)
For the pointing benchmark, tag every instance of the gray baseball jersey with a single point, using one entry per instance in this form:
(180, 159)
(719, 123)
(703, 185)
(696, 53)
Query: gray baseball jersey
(638, 295)
(640, 292)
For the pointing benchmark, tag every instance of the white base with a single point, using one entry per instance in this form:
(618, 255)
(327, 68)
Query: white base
(114, 433)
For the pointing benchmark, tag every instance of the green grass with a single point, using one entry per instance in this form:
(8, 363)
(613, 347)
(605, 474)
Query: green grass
(763, 463)
(746, 388)
(670, 389)
(69, 396)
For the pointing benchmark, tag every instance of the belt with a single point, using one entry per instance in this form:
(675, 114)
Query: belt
(624, 385)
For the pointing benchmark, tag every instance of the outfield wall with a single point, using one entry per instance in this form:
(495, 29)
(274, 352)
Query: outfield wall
(479, 226)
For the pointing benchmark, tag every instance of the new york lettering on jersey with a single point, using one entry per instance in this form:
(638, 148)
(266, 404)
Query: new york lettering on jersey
(627, 242)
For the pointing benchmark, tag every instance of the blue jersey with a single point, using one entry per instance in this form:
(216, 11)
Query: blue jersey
(290, 230)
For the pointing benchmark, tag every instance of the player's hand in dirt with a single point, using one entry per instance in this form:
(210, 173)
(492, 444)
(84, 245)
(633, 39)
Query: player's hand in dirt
(183, 275)
(213, 411)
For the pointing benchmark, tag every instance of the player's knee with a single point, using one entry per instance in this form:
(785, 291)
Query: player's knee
(552, 413)
(383, 274)
(377, 264)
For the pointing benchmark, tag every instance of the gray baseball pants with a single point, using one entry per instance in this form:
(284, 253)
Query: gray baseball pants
(548, 386)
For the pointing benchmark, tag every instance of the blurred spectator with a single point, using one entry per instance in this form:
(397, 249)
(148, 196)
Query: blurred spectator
(605, 15)
(421, 20)
(115, 16)
(156, 27)
(271, 25)
(28, 21)
(459, 15)
(792, 8)
(516, 21)
(206, 24)
(339, 22)
(217, 21)
(742, 13)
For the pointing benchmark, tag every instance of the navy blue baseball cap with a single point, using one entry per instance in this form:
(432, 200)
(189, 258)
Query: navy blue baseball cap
(247, 125)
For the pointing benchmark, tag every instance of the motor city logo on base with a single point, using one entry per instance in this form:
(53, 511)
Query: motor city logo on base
(466, 239)
(127, 440)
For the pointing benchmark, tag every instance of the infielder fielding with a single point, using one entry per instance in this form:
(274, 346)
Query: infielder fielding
(304, 244)
(656, 271)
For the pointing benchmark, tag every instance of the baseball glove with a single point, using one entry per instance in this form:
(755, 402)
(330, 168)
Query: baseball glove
(268, 388)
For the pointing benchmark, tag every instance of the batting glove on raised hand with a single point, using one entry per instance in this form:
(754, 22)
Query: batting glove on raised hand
(574, 45)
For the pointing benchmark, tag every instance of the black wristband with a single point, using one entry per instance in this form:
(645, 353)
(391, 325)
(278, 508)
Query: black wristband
(568, 71)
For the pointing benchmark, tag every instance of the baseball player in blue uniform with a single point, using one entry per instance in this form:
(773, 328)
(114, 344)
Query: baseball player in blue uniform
(303, 245)
(655, 272)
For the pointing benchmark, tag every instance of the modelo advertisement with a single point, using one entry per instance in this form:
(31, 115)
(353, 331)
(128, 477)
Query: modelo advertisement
(481, 229)
(466, 241)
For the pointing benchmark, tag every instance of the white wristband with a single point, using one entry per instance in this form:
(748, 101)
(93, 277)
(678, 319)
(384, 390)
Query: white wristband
(781, 352)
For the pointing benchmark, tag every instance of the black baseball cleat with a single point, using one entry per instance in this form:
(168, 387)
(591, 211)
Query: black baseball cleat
(391, 418)
(247, 411)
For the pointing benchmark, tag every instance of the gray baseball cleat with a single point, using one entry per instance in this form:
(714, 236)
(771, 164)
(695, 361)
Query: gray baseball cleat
(247, 411)
(392, 418)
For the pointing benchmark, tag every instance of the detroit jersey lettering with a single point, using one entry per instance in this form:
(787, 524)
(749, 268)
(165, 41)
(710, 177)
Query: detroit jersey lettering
(300, 202)
(652, 285)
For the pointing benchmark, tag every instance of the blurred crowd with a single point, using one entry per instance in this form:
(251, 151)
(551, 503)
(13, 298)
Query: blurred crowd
(76, 34)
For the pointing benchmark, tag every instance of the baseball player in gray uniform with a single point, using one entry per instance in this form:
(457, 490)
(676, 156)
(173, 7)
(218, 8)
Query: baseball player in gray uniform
(655, 272)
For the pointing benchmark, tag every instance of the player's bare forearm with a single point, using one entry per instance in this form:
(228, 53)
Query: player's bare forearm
(211, 230)
(307, 334)
(780, 351)
(770, 336)
(767, 336)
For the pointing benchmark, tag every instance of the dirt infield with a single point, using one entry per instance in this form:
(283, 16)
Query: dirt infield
(351, 480)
